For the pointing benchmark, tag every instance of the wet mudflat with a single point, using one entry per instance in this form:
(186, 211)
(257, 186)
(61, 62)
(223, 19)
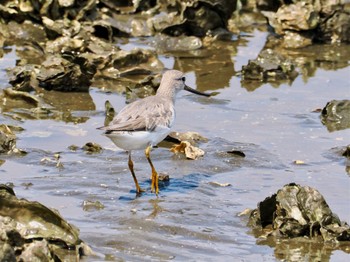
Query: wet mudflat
(195, 217)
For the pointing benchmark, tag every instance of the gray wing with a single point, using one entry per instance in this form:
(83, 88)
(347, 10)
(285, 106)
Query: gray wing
(144, 114)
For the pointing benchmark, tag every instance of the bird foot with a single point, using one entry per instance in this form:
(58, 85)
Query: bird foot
(139, 191)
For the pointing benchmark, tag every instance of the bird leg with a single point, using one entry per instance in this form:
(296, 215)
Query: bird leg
(154, 185)
(131, 167)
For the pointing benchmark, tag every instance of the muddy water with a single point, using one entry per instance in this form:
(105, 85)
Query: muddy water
(193, 219)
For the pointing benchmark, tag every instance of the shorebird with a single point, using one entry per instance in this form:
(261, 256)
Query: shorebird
(146, 122)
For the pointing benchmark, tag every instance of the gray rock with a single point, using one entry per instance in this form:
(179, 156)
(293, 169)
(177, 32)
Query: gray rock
(35, 231)
(336, 115)
(299, 211)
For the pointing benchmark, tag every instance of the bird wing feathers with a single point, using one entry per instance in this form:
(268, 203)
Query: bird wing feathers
(145, 114)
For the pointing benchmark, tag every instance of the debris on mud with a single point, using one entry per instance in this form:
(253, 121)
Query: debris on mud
(191, 152)
(299, 162)
(89, 148)
(54, 160)
(217, 184)
(92, 148)
(235, 152)
(185, 143)
(89, 205)
(298, 212)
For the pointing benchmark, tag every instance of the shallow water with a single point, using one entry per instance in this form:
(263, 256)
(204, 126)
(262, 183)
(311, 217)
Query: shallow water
(192, 219)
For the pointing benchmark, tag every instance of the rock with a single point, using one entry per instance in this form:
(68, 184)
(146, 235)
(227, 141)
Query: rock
(33, 220)
(194, 18)
(61, 27)
(164, 43)
(52, 9)
(314, 21)
(336, 115)
(24, 78)
(7, 253)
(346, 152)
(292, 39)
(340, 154)
(109, 113)
(136, 62)
(7, 139)
(129, 7)
(299, 211)
(299, 16)
(68, 49)
(27, 32)
(191, 137)
(268, 5)
(36, 251)
(65, 45)
(35, 231)
(60, 74)
(28, 98)
(270, 66)
(335, 27)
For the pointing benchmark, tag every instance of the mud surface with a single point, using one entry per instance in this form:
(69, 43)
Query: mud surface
(276, 125)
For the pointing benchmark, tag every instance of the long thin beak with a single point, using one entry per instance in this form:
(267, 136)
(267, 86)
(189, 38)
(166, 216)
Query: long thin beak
(194, 91)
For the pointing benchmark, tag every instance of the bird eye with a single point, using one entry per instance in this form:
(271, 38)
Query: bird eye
(183, 79)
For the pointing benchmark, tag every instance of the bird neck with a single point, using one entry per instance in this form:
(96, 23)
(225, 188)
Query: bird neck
(166, 96)
(166, 92)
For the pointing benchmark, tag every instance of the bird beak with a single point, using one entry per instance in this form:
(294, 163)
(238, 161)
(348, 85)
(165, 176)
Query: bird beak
(194, 91)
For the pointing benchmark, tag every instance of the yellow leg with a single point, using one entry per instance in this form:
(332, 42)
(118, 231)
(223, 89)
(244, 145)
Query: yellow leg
(131, 167)
(154, 185)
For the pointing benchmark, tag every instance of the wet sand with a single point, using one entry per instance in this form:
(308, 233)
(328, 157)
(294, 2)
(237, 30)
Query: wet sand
(192, 219)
